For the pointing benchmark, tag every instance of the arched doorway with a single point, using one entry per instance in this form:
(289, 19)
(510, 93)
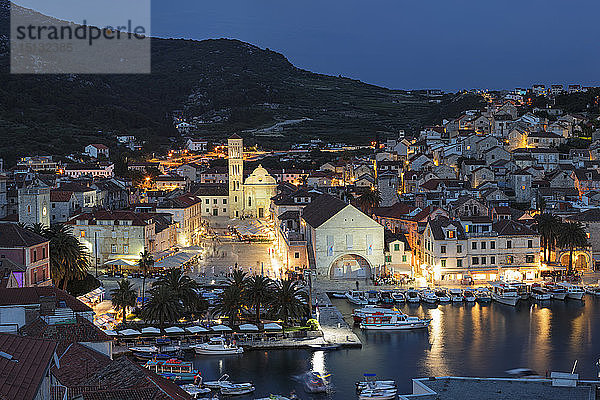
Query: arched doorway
(581, 260)
(350, 266)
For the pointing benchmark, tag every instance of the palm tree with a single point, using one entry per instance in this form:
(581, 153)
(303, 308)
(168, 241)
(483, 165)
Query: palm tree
(368, 200)
(145, 263)
(162, 307)
(572, 235)
(230, 303)
(38, 228)
(68, 258)
(124, 296)
(238, 278)
(184, 288)
(258, 292)
(547, 226)
(289, 300)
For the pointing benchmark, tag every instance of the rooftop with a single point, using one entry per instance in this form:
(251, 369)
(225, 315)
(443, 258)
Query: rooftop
(322, 209)
(12, 235)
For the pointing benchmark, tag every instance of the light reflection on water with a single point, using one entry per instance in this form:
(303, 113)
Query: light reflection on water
(465, 340)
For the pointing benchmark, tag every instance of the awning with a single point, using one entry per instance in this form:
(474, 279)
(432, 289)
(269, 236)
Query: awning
(175, 260)
(120, 262)
(110, 332)
(129, 332)
(150, 330)
(196, 329)
(248, 328)
(272, 326)
(174, 329)
(221, 328)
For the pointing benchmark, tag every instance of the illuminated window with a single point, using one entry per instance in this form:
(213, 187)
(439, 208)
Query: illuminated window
(451, 234)
(82, 234)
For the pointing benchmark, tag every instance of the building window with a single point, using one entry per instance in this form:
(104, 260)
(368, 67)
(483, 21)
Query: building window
(459, 248)
(529, 258)
(224, 201)
(125, 249)
(483, 245)
(113, 249)
(388, 259)
(403, 258)
(82, 234)
(475, 260)
(443, 249)
(443, 263)
(530, 244)
(474, 245)
(509, 244)
(493, 260)
(296, 255)
(207, 201)
(509, 259)
(215, 201)
(492, 245)
(397, 247)
(450, 234)
(483, 260)
(459, 263)
(349, 243)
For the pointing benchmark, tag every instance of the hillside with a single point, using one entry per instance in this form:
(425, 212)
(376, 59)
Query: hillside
(251, 87)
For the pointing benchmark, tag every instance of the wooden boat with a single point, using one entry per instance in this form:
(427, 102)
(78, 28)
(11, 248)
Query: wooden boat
(173, 369)
(574, 292)
(412, 296)
(483, 295)
(456, 295)
(469, 296)
(557, 292)
(504, 293)
(356, 297)
(539, 293)
(383, 322)
(398, 297)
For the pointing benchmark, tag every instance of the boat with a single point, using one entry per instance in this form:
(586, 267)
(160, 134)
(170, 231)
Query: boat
(360, 313)
(386, 297)
(278, 397)
(337, 295)
(195, 391)
(324, 346)
(373, 297)
(223, 381)
(593, 290)
(483, 295)
(412, 296)
(388, 322)
(398, 297)
(173, 369)
(574, 292)
(469, 296)
(539, 293)
(150, 352)
(557, 292)
(315, 382)
(456, 295)
(374, 384)
(503, 293)
(429, 296)
(217, 346)
(442, 295)
(356, 297)
(377, 394)
(236, 389)
(522, 289)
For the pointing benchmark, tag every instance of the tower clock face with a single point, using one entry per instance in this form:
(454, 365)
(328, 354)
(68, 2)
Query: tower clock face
(44, 211)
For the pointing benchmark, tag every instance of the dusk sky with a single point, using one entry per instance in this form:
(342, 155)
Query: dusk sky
(408, 44)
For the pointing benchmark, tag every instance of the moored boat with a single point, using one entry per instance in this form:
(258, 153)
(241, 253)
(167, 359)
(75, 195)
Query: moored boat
(483, 295)
(469, 296)
(236, 389)
(539, 293)
(393, 323)
(442, 295)
(217, 346)
(194, 391)
(386, 297)
(315, 382)
(522, 289)
(360, 313)
(173, 369)
(412, 296)
(398, 297)
(456, 295)
(374, 384)
(556, 292)
(356, 297)
(324, 346)
(593, 290)
(428, 296)
(377, 394)
(504, 293)
(574, 292)
(373, 297)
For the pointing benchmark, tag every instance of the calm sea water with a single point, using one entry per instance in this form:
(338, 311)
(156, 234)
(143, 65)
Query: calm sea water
(464, 340)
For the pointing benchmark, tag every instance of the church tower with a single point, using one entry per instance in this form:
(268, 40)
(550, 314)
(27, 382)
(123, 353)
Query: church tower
(235, 147)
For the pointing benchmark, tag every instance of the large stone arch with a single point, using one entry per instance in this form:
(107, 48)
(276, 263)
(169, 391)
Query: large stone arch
(350, 266)
(582, 260)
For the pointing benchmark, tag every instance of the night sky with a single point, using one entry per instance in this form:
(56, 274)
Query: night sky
(448, 44)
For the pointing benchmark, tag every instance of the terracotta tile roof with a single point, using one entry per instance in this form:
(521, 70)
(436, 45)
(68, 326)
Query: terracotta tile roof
(394, 211)
(79, 363)
(21, 376)
(74, 187)
(32, 295)
(12, 235)
(321, 209)
(512, 228)
(62, 196)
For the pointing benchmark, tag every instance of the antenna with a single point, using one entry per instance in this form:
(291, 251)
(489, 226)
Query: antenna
(574, 366)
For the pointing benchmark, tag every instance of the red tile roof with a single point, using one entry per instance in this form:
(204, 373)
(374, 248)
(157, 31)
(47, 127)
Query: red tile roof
(32, 295)
(12, 235)
(21, 376)
(78, 363)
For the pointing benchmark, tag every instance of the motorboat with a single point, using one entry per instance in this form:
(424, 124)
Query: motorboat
(383, 322)
(539, 293)
(483, 295)
(429, 296)
(315, 382)
(374, 384)
(469, 296)
(377, 394)
(522, 289)
(194, 391)
(442, 295)
(373, 297)
(593, 290)
(504, 293)
(144, 352)
(236, 389)
(173, 369)
(456, 295)
(356, 297)
(412, 296)
(324, 346)
(398, 297)
(223, 381)
(360, 313)
(386, 297)
(337, 295)
(574, 292)
(557, 292)
(278, 397)
(217, 346)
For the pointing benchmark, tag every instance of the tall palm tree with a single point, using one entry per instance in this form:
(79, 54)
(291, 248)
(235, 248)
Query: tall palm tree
(230, 303)
(258, 292)
(162, 307)
(145, 263)
(184, 288)
(68, 258)
(368, 200)
(547, 226)
(289, 300)
(238, 278)
(572, 235)
(124, 296)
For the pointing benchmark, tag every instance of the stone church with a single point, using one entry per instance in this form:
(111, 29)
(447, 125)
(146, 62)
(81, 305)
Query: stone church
(249, 198)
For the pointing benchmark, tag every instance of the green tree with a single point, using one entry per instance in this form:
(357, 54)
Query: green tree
(258, 292)
(163, 306)
(289, 300)
(368, 200)
(68, 258)
(547, 226)
(230, 303)
(238, 279)
(124, 296)
(184, 288)
(145, 263)
(572, 235)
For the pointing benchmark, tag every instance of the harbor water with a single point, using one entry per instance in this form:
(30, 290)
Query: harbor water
(463, 340)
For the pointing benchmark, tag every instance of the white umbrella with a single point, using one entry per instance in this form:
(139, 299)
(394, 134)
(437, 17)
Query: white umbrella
(248, 328)
(220, 328)
(174, 329)
(196, 329)
(110, 332)
(272, 326)
(150, 330)
(129, 332)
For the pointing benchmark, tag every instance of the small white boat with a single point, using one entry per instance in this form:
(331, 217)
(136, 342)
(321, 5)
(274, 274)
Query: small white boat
(324, 346)
(373, 297)
(483, 295)
(412, 296)
(539, 293)
(374, 384)
(398, 297)
(336, 295)
(574, 292)
(217, 346)
(456, 295)
(593, 290)
(522, 289)
(356, 297)
(277, 397)
(144, 352)
(442, 295)
(315, 382)
(385, 297)
(377, 394)
(429, 296)
(393, 323)
(469, 296)
(223, 381)
(195, 391)
(504, 293)
(236, 389)
(557, 292)
(360, 313)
